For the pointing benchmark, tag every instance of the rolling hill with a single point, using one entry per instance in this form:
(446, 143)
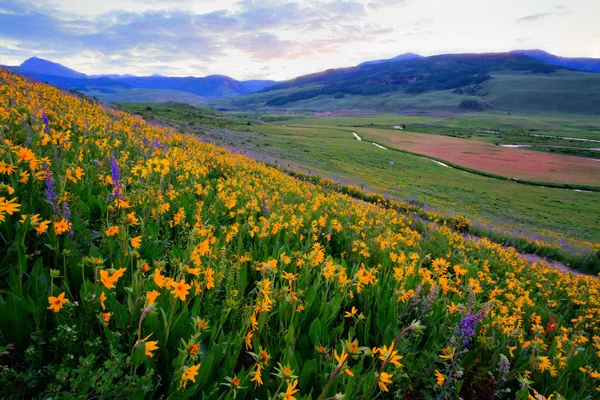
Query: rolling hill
(129, 88)
(451, 82)
(579, 63)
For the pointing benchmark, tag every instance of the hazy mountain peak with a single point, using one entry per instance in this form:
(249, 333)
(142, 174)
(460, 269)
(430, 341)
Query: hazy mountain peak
(579, 63)
(400, 57)
(46, 67)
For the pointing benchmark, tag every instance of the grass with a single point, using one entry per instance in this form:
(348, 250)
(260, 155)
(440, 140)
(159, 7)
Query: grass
(141, 262)
(323, 146)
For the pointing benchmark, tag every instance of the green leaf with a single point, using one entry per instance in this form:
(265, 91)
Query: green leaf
(308, 374)
(139, 354)
(314, 332)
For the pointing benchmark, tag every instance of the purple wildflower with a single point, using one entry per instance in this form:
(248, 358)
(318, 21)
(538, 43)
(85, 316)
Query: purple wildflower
(469, 323)
(51, 196)
(46, 123)
(265, 208)
(116, 178)
(145, 141)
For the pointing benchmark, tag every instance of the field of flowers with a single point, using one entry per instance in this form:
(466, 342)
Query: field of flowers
(138, 262)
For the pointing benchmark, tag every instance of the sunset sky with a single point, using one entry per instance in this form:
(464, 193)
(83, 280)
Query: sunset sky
(282, 39)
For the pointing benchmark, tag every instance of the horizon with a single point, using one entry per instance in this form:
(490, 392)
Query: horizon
(280, 40)
(250, 79)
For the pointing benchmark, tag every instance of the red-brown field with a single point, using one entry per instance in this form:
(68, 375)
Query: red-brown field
(509, 162)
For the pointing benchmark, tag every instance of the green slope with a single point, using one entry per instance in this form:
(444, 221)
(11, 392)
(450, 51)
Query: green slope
(136, 95)
(485, 82)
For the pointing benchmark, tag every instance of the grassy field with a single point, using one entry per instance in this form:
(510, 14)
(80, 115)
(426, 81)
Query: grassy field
(568, 92)
(325, 146)
(141, 262)
(516, 163)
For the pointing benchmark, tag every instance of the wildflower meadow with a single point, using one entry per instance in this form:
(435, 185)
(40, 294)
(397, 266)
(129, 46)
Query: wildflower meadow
(139, 262)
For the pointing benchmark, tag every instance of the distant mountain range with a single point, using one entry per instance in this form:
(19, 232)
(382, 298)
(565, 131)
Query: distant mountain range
(581, 64)
(370, 85)
(401, 57)
(155, 88)
(509, 82)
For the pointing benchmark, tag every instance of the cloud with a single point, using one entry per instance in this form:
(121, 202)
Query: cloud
(558, 10)
(534, 17)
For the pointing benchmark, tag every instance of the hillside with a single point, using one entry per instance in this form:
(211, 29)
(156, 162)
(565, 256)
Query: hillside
(129, 88)
(446, 82)
(35, 65)
(579, 63)
(141, 261)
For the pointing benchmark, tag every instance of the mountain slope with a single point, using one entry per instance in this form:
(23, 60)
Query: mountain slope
(401, 57)
(452, 82)
(579, 63)
(255, 85)
(35, 65)
(213, 86)
(183, 89)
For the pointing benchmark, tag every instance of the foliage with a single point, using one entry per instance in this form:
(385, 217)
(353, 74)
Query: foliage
(167, 266)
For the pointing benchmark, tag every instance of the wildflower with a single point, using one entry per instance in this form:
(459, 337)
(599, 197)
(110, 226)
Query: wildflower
(102, 300)
(150, 347)
(543, 363)
(136, 242)
(291, 390)
(151, 296)
(382, 379)
(25, 154)
(106, 318)
(181, 289)
(352, 313)
(341, 359)
(193, 350)
(61, 226)
(257, 377)
(115, 174)
(264, 357)
(56, 303)
(42, 227)
(131, 219)
(51, 196)
(7, 169)
(159, 279)
(9, 207)
(390, 355)
(109, 281)
(112, 231)
(440, 378)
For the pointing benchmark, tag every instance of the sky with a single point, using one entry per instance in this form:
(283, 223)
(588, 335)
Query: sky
(276, 39)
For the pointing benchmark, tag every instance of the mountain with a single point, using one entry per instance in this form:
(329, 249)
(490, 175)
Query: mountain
(579, 63)
(36, 65)
(449, 82)
(112, 87)
(212, 86)
(256, 85)
(401, 57)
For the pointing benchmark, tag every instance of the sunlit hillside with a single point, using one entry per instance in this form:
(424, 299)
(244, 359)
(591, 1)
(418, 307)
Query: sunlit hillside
(138, 262)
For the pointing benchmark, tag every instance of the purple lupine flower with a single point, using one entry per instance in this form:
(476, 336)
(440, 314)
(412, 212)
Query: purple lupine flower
(265, 207)
(46, 123)
(51, 196)
(145, 141)
(116, 178)
(469, 323)
(503, 367)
